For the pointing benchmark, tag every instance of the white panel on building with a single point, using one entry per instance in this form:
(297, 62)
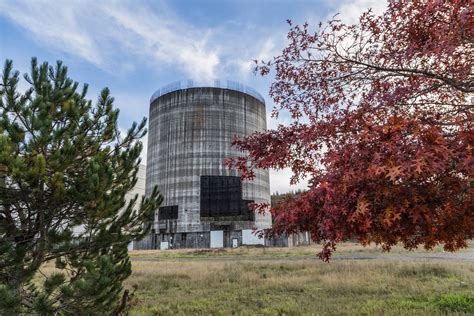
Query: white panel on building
(139, 189)
(217, 239)
(249, 238)
(235, 243)
(164, 245)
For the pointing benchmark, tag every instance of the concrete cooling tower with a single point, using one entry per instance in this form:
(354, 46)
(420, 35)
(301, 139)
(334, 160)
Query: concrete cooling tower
(191, 127)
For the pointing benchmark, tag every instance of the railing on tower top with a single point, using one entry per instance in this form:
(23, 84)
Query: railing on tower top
(224, 84)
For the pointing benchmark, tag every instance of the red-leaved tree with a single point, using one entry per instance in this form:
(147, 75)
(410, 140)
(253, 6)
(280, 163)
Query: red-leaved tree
(382, 126)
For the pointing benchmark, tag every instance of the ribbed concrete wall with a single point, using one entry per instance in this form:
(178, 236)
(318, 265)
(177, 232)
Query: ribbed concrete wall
(190, 134)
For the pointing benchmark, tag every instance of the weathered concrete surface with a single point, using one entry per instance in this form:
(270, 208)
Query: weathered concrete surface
(190, 135)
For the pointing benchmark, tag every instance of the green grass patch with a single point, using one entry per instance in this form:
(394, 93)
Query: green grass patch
(455, 302)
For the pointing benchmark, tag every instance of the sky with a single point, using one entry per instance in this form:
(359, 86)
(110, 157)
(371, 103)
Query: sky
(136, 47)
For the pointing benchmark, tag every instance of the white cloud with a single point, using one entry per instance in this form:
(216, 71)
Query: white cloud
(99, 31)
(117, 36)
(280, 181)
(350, 10)
(165, 40)
(264, 52)
(53, 24)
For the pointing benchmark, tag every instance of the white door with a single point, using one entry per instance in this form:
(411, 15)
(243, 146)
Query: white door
(249, 238)
(217, 239)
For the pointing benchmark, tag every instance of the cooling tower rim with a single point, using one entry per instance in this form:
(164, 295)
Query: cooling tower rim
(223, 84)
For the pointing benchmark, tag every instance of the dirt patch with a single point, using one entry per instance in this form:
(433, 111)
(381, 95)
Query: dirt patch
(207, 252)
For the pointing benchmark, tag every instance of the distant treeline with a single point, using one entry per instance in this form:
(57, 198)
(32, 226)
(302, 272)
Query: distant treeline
(277, 197)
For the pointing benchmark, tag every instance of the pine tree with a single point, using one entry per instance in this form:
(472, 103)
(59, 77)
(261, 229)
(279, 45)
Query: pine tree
(64, 164)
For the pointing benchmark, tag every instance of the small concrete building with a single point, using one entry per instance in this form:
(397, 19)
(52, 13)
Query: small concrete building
(191, 128)
(139, 189)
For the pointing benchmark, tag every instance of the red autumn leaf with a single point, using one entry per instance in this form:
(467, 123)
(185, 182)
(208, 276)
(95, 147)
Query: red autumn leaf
(393, 173)
(366, 225)
(396, 216)
(418, 165)
(362, 207)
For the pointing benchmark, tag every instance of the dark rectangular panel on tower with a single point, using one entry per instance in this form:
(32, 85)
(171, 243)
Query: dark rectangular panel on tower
(221, 196)
(168, 212)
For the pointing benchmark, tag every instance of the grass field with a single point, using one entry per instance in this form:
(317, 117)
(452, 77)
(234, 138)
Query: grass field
(293, 287)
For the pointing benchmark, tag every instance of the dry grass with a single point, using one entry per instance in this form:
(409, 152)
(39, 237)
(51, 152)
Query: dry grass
(299, 287)
(303, 287)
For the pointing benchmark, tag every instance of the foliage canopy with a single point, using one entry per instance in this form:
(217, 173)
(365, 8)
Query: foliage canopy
(382, 126)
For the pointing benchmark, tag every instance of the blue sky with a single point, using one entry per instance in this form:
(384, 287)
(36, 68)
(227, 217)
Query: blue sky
(135, 47)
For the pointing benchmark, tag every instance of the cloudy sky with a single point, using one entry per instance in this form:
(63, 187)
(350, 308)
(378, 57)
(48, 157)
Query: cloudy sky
(135, 47)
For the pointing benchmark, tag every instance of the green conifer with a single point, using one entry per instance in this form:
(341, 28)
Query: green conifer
(64, 164)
